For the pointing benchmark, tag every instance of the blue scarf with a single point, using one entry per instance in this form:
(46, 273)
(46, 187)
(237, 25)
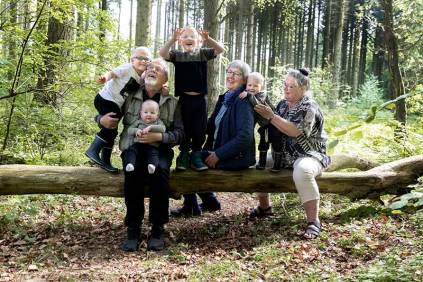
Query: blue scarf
(229, 98)
(231, 95)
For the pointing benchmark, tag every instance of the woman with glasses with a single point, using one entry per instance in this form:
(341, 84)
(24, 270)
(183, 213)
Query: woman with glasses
(299, 121)
(230, 130)
(109, 101)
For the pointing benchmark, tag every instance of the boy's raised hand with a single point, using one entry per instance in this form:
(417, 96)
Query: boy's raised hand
(204, 34)
(177, 33)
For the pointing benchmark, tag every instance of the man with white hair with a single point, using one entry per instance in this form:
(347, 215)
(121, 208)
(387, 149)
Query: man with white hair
(156, 76)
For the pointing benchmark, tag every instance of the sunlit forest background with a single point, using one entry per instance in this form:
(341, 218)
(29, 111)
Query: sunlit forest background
(361, 54)
(366, 63)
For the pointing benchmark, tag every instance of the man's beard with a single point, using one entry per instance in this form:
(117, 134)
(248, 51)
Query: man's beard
(150, 81)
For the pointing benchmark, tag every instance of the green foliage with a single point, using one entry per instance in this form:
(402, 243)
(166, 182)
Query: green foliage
(409, 201)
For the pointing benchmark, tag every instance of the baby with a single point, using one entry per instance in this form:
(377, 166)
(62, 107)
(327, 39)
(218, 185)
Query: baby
(149, 122)
(256, 95)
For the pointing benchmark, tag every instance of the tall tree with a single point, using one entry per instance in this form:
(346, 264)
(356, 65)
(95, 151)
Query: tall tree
(391, 43)
(157, 40)
(59, 30)
(211, 23)
(181, 22)
(336, 70)
(143, 25)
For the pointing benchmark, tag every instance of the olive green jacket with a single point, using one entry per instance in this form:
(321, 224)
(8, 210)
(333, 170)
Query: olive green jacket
(170, 114)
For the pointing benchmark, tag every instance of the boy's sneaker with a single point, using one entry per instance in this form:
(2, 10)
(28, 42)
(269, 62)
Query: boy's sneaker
(182, 161)
(197, 162)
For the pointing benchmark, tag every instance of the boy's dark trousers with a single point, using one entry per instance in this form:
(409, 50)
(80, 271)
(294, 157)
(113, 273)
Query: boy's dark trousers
(264, 144)
(142, 151)
(103, 107)
(194, 118)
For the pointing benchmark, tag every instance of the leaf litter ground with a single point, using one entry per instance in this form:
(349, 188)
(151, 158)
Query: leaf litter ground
(73, 238)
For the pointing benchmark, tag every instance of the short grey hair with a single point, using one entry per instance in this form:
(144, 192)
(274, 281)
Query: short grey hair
(242, 66)
(301, 77)
(140, 49)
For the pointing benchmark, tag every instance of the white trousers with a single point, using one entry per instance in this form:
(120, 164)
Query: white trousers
(305, 171)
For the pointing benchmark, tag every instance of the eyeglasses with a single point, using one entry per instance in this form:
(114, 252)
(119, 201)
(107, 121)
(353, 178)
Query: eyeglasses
(142, 58)
(155, 67)
(229, 72)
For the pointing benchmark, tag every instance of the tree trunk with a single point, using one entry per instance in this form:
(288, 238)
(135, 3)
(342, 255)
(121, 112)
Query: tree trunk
(356, 59)
(310, 35)
(181, 21)
(327, 27)
(158, 42)
(393, 62)
(211, 23)
(239, 29)
(58, 31)
(27, 179)
(131, 16)
(143, 25)
(337, 54)
(378, 59)
(363, 49)
(250, 34)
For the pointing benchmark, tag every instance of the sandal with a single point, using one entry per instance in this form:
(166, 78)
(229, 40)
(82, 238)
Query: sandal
(258, 212)
(312, 230)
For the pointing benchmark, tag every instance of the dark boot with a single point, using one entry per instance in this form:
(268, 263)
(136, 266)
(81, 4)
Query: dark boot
(262, 160)
(156, 240)
(277, 162)
(106, 154)
(210, 202)
(197, 162)
(93, 151)
(189, 208)
(182, 161)
(132, 241)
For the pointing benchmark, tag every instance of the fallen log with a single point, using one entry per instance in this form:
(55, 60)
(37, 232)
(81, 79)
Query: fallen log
(28, 179)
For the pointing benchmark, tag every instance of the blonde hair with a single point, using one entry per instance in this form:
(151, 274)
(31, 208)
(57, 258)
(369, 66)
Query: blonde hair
(151, 103)
(259, 77)
(140, 49)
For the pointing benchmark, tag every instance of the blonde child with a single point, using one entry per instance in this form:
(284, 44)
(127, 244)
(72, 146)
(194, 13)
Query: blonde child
(191, 87)
(109, 101)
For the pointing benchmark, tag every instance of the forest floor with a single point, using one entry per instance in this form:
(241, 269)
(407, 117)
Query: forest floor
(77, 238)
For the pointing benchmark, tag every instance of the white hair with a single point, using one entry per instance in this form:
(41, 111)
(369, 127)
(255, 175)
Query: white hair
(140, 49)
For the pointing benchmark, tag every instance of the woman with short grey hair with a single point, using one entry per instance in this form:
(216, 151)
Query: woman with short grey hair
(299, 122)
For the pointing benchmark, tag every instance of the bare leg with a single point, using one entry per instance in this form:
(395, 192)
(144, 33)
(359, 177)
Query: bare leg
(264, 200)
(312, 210)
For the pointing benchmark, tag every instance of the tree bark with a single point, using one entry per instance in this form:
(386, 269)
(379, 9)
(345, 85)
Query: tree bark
(58, 31)
(391, 44)
(143, 25)
(211, 23)
(337, 54)
(387, 178)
